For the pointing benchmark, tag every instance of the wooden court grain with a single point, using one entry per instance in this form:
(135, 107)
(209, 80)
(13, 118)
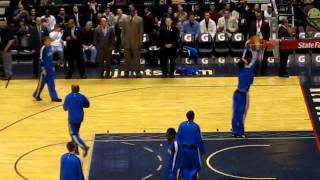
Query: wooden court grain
(134, 105)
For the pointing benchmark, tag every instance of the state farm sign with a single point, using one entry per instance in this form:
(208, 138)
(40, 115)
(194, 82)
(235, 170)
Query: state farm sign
(308, 45)
(293, 44)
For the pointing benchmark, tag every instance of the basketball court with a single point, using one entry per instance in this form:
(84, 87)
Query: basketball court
(126, 122)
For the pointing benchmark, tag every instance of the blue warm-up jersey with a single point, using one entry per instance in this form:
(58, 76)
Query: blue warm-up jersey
(189, 134)
(172, 160)
(74, 103)
(71, 167)
(46, 58)
(246, 75)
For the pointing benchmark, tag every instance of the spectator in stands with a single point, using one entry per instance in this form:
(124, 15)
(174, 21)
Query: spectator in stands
(88, 44)
(104, 38)
(39, 31)
(24, 35)
(214, 14)
(44, 3)
(74, 46)
(227, 23)
(50, 20)
(57, 43)
(132, 39)
(198, 15)
(191, 26)
(6, 43)
(77, 17)
(20, 14)
(119, 20)
(150, 26)
(233, 12)
(268, 14)
(284, 31)
(32, 17)
(109, 15)
(166, 14)
(208, 25)
(169, 36)
(256, 8)
(179, 26)
(62, 17)
(180, 15)
(262, 29)
(245, 17)
(93, 10)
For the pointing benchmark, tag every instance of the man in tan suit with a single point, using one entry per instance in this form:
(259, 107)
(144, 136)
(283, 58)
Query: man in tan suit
(132, 37)
(104, 38)
(227, 24)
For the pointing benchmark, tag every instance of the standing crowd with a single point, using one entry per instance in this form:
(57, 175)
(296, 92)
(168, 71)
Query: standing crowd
(93, 35)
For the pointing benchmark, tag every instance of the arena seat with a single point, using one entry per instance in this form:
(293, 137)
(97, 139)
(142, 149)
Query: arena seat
(145, 44)
(221, 44)
(205, 45)
(186, 40)
(237, 44)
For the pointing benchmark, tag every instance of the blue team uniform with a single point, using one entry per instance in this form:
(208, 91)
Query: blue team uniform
(192, 148)
(172, 160)
(46, 61)
(71, 167)
(74, 104)
(241, 95)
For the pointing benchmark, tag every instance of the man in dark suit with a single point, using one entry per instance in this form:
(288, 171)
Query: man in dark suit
(261, 28)
(104, 38)
(169, 36)
(38, 32)
(74, 48)
(284, 32)
(77, 17)
(132, 38)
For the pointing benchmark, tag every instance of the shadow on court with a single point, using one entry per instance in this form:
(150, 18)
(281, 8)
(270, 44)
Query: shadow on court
(264, 155)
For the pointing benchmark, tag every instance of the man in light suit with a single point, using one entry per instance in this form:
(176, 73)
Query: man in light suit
(207, 25)
(104, 38)
(132, 38)
(227, 23)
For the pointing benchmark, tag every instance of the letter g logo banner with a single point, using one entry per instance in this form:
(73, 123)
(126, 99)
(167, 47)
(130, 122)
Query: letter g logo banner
(221, 37)
(187, 38)
(204, 37)
(238, 37)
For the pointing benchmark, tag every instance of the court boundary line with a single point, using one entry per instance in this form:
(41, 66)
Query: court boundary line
(306, 102)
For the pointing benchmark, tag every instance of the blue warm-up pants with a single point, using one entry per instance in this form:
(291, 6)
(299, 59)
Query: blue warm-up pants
(49, 80)
(74, 133)
(190, 163)
(240, 107)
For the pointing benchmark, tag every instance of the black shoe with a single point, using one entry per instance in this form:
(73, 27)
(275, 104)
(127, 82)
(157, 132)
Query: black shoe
(68, 77)
(37, 98)
(56, 100)
(138, 76)
(86, 151)
(171, 76)
(83, 77)
(126, 76)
